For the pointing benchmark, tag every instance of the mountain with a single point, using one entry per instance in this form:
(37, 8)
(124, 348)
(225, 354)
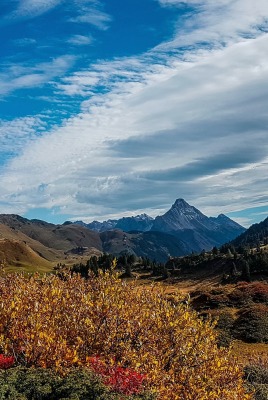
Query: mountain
(57, 237)
(140, 223)
(226, 222)
(180, 231)
(194, 230)
(99, 226)
(36, 243)
(255, 235)
(191, 226)
(39, 244)
(181, 216)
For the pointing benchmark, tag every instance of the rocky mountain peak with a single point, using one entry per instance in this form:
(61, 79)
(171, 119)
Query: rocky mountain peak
(180, 203)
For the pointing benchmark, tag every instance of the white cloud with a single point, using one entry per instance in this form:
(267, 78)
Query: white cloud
(24, 42)
(20, 77)
(91, 12)
(14, 134)
(202, 111)
(217, 21)
(80, 40)
(34, 8)
(97, 18)
(85, 11)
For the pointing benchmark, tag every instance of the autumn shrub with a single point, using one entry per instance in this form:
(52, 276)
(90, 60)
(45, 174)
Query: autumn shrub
(210, 299)
(252, 324)
(248, 293)
(241, 295)
(6, 362)
(259, 292)
(58, 323)
(257, 376)
(23, 383)
(121, 380)
(225, 325)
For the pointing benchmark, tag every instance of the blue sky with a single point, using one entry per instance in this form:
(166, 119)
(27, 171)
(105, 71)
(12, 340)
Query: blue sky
(117, 107)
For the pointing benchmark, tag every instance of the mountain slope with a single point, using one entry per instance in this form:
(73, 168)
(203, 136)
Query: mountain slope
(57, 237)
(255, 235)
(182, 216)
(50, 243)
(19, 254)
(155, 245)
(60, 243)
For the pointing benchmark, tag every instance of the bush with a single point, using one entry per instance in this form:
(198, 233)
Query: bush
(257, 376)
(6, 362)
(248, 293)
(23, 383)
(252, 324)
(58, 323)
(261, 392)
(225, 325)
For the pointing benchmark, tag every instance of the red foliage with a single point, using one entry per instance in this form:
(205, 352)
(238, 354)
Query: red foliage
(255, 292)
(122, 380)
(6, 362)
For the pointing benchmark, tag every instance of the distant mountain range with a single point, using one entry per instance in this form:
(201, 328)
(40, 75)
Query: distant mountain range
(181, 230)
(195, 230)
(142, 223)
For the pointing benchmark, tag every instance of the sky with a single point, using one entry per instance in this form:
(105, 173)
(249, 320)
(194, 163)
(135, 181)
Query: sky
(111, 108)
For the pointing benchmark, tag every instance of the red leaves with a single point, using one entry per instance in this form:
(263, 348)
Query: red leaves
(122, 380)
(6, 362)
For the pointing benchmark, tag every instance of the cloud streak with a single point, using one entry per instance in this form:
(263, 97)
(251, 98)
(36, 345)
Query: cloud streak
(85, 11)
(17, 77)
(80, 40)
(34, 8)
(217, 22)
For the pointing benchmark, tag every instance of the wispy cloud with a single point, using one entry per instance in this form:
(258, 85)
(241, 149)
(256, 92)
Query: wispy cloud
(84, 11)
(80, 40)
(16, 76)
(91, 12)
(217, 22)
(24, 42)
(34, 8)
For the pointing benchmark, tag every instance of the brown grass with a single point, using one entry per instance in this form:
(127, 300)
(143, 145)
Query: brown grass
(246, 353)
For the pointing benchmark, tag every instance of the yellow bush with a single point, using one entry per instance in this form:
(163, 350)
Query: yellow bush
(51, 322)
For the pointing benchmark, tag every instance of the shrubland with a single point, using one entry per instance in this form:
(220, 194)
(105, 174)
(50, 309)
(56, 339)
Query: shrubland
(241, 310)
(134, 339)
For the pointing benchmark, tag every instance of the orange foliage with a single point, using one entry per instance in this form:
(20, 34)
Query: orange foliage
(51, 322)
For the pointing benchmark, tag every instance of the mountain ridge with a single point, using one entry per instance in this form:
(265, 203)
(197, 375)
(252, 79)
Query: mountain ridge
(182, 220)
(179, 203)
(180, 231)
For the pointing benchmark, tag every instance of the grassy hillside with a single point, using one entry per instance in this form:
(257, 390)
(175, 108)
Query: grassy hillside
(17, 256)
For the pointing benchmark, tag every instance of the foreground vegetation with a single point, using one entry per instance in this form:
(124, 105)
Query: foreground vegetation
(135, 341)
